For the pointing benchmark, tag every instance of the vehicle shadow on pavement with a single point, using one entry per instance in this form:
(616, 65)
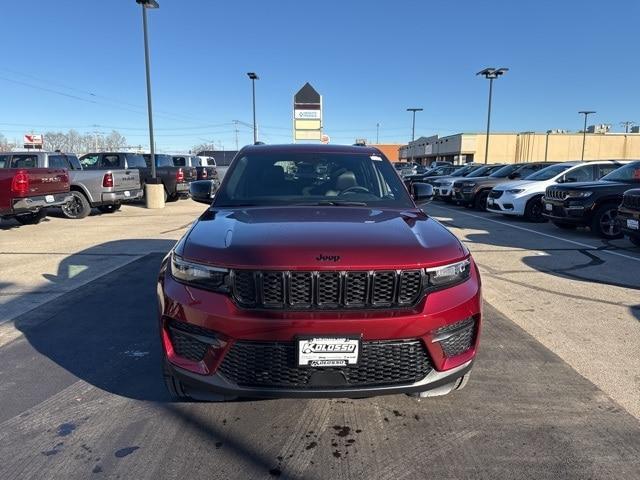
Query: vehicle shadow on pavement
(105, 332)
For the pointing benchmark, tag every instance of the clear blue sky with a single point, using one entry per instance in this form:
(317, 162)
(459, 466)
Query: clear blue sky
(369, 60)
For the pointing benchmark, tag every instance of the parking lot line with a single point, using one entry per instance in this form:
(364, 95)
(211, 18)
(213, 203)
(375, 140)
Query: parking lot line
(529, 230)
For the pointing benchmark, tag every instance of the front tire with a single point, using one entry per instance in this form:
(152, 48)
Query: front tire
(174, 386)
(533, 210)
(78, 207)
(480, 202)
(174, 197)
(635, 240)
(604, 222)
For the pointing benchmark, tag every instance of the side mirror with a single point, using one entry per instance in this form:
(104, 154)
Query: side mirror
(202, 191)
(422, 193)
(569, 179)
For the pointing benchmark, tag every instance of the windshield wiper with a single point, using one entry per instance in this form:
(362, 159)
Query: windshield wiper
(337, 203)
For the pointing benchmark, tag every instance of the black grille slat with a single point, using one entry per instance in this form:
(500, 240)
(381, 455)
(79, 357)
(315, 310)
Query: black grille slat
(554, 194)
(273, 365)
(327, 289)
(462, 338)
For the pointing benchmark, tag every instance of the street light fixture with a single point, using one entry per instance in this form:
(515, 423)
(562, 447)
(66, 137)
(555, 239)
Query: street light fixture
(148, 4)
(586, 113)
(253, 76)
(490, 74)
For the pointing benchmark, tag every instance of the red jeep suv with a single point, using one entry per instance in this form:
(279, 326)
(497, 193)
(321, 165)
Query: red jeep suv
(314, 274)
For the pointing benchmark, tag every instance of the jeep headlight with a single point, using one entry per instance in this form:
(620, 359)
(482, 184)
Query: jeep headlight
(579, 194)
(449, 274)
(199, 275)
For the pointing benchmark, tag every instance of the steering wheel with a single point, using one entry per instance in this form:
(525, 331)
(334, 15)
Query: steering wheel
(354, 189)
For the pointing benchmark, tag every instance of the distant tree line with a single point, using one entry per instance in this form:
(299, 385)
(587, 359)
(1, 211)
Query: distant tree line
(74, 142)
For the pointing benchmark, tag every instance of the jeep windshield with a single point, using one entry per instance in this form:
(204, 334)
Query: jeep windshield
(338, 179)
(628, 174)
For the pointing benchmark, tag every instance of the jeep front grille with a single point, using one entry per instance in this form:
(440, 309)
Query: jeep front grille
(297, 290)
(631, 200)
(554, 194)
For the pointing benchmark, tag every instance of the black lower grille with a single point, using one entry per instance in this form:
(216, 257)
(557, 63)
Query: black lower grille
(458, 337)
(187, 340)
(299, 290)
(273, 365)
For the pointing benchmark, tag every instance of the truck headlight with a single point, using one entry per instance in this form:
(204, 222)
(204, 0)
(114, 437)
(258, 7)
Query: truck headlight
(449, 274)
(199, 275)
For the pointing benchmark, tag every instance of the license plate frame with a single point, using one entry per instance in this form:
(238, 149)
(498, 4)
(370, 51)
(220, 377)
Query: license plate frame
(49, 198)
(548, 207)
(323, 354)
(127, 193)
(633, 224)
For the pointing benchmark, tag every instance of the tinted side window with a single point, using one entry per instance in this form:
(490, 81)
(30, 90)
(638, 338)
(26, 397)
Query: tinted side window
(109, 160)
(58, 161)
(164, 161)
(528, 170)
(90, 161)
(135, 161)
(4, 161)
(180, 161)
(582, 174)
(24, 161)
(74, 162)
(606, 169)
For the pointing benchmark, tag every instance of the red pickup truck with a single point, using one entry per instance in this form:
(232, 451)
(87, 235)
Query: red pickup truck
(26, 192)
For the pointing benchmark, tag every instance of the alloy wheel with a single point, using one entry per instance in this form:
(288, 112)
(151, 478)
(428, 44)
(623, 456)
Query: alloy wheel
(608, 223)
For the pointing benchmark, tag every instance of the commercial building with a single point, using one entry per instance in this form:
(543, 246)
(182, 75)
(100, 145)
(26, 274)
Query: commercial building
(554, 145)
(390, 150)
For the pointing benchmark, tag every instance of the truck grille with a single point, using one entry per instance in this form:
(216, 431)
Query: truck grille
(495, 193)
(554, 194)
(274, 365)
(631, 200)
(327, 290)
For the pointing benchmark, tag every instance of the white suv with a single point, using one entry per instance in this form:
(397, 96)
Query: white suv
(523, 198)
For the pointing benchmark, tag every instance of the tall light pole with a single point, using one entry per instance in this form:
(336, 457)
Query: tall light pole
(586, 113)
(490, 74)
(253, 76)
(413, 127)
(148, 4)
(377, 133)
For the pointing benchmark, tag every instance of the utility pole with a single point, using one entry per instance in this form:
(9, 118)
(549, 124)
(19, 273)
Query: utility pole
(235, 123)
(253, 77)
(490, 74)
(377, 133)
(586, 113)
(413, 127)
(626, 124)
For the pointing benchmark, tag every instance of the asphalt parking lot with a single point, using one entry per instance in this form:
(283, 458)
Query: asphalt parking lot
(555, 392)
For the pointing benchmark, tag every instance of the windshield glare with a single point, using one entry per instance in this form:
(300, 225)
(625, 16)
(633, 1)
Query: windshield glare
(628, 173)
(548, 173)
(310, 179)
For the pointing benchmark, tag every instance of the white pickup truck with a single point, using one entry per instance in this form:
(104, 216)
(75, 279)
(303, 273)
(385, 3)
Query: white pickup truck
(105, 190)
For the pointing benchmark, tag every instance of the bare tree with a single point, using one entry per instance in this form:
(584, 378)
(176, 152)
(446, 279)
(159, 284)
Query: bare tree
(75, 142)
(203, 147)
(4, 143)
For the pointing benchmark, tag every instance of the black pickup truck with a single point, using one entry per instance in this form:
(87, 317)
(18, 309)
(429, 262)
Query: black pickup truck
(175, 179)
(591, 204)
(629, 215)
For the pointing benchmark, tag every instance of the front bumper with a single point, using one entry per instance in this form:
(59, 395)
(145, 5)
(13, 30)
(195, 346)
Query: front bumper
(507, 204)
(565, 211)
(30, 204)
(121, 196)
(234, 326)
(629, 221)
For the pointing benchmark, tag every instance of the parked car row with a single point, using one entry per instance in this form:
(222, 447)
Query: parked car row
(32, 181)
(597, 194)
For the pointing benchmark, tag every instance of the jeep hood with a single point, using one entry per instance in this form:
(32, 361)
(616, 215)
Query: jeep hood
(312, 237)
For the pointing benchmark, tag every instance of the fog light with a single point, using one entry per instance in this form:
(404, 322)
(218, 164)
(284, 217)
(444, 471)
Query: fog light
(456, 338)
